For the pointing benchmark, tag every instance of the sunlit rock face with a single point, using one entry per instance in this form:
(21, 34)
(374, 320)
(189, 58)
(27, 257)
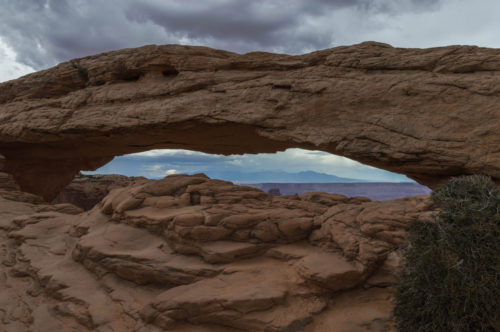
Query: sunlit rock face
(426, 113)
(189, 253)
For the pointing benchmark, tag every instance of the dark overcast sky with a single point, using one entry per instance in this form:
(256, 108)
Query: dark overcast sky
(37, 34)
(41, 33)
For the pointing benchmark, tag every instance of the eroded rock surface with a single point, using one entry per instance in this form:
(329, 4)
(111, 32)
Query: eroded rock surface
(188, 253)
(427, 113)
(85, 191)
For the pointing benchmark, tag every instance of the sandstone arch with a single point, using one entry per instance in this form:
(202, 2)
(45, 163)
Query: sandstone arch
(427, 113)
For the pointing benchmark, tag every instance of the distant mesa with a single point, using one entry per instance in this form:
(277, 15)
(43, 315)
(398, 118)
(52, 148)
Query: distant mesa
(86, 191)
(376, 191)
(279, 176)
(274, 192)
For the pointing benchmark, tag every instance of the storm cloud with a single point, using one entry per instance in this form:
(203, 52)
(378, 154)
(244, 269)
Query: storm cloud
(43, 33)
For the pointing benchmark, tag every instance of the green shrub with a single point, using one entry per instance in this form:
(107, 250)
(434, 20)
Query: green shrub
(89, 176)
(452, 277)
(82, 72)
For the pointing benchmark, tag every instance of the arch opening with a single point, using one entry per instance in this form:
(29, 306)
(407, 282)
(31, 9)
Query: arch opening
(51, 167)
(294, 171)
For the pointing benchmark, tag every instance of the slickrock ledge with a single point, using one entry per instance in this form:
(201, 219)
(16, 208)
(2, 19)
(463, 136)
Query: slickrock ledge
(427, 113)
(189, 253)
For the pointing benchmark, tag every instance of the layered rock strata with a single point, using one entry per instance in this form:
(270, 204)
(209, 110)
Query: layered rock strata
(85, 191)
(188, 253)
(427, 113)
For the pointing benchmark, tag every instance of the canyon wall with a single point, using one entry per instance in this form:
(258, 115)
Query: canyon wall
(427, 113)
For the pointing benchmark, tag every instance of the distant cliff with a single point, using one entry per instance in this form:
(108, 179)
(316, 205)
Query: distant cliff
(278, 176)
(274, 192)
(377, 191)
(85, 191)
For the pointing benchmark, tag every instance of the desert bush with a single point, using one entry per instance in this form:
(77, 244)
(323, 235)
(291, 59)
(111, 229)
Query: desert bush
(81, 71)
(88, 176)
(452, 277)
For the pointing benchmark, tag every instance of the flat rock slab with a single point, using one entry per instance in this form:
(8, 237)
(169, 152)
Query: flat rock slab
(252, 302)
(138, 256)
(330, 270)
(228, 251)
(356, 311)
(293, 251)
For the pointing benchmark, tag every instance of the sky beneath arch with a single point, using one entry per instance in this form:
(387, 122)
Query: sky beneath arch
(38, 34)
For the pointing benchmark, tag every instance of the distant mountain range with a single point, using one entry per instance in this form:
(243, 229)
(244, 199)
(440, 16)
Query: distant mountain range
(278, 177)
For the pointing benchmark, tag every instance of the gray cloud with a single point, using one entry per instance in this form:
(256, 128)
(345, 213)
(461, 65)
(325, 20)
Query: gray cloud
(260, 22)
(45, 32)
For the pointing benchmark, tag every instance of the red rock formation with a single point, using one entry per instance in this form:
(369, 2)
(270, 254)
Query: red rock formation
(85, 191)
(188, 253)
(426, 113)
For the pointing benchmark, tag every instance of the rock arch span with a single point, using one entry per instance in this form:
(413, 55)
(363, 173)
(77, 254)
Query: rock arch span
(427, 113)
